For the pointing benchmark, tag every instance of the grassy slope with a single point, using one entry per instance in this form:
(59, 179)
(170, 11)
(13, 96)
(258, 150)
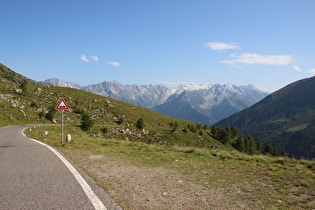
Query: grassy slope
(256, 181)
(263, 179)
(26, 107)
(157, 128)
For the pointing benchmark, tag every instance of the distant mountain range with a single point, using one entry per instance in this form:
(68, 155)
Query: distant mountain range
(61, 83)
(204, 104)
(285, 119)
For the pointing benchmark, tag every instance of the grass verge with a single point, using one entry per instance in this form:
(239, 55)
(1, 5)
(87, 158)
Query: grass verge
(247, 181)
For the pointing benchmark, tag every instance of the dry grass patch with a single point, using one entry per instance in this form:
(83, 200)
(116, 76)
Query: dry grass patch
(142, 176)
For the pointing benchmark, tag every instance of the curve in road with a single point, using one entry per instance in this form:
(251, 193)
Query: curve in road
(34, 175)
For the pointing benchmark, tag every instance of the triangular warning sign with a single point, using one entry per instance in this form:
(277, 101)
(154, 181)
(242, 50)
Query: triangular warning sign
(62, 105)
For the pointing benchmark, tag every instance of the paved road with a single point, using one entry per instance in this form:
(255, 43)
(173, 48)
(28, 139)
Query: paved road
(32, 176)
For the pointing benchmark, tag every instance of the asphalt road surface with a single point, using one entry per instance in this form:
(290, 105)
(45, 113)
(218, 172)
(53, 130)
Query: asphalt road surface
(34, 176)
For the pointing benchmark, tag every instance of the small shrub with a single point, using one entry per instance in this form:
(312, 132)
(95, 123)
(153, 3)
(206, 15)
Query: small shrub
(175, 126)
(140, 123)
(33, 104)
(86, 121)
(120, 121)
(104, 130)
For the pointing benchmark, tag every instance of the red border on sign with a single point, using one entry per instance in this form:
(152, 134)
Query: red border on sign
(62, 107)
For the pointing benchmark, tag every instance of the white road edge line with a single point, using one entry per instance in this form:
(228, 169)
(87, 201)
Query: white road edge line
(97, 203)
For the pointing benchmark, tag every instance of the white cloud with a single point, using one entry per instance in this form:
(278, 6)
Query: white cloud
(296, 68)
(312, 71)
(94, 58)
(221, 46)
(253, 58)
(84, 58)
(113, 63)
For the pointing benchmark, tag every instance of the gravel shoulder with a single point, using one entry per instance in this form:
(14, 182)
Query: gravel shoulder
(134, 186)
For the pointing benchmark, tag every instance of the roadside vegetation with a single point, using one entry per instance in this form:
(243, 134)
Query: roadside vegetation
(126, 147)
(248, 181)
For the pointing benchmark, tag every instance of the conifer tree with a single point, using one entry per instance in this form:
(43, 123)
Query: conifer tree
(250, 145)
(224, 136)
(233, 131)
(86, 121)
(269, 150)
(239, 144)
(259, 147)
(213, 130)
(140, 123)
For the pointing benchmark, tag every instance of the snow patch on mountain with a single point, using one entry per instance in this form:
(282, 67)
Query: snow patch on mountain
(211, 102)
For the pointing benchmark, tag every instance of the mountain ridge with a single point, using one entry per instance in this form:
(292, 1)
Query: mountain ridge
(23, 101)
(285, 119)
(204, 104)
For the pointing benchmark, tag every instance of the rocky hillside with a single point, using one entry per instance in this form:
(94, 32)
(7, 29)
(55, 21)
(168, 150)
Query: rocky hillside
(24, 102)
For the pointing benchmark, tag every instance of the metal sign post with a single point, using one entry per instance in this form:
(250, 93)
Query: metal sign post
(62, 105)
(62, 128)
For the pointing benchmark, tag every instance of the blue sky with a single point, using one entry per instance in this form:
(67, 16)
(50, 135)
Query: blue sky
(268, 43)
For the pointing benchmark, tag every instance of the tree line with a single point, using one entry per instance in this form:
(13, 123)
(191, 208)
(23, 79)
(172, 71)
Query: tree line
(247, 145)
